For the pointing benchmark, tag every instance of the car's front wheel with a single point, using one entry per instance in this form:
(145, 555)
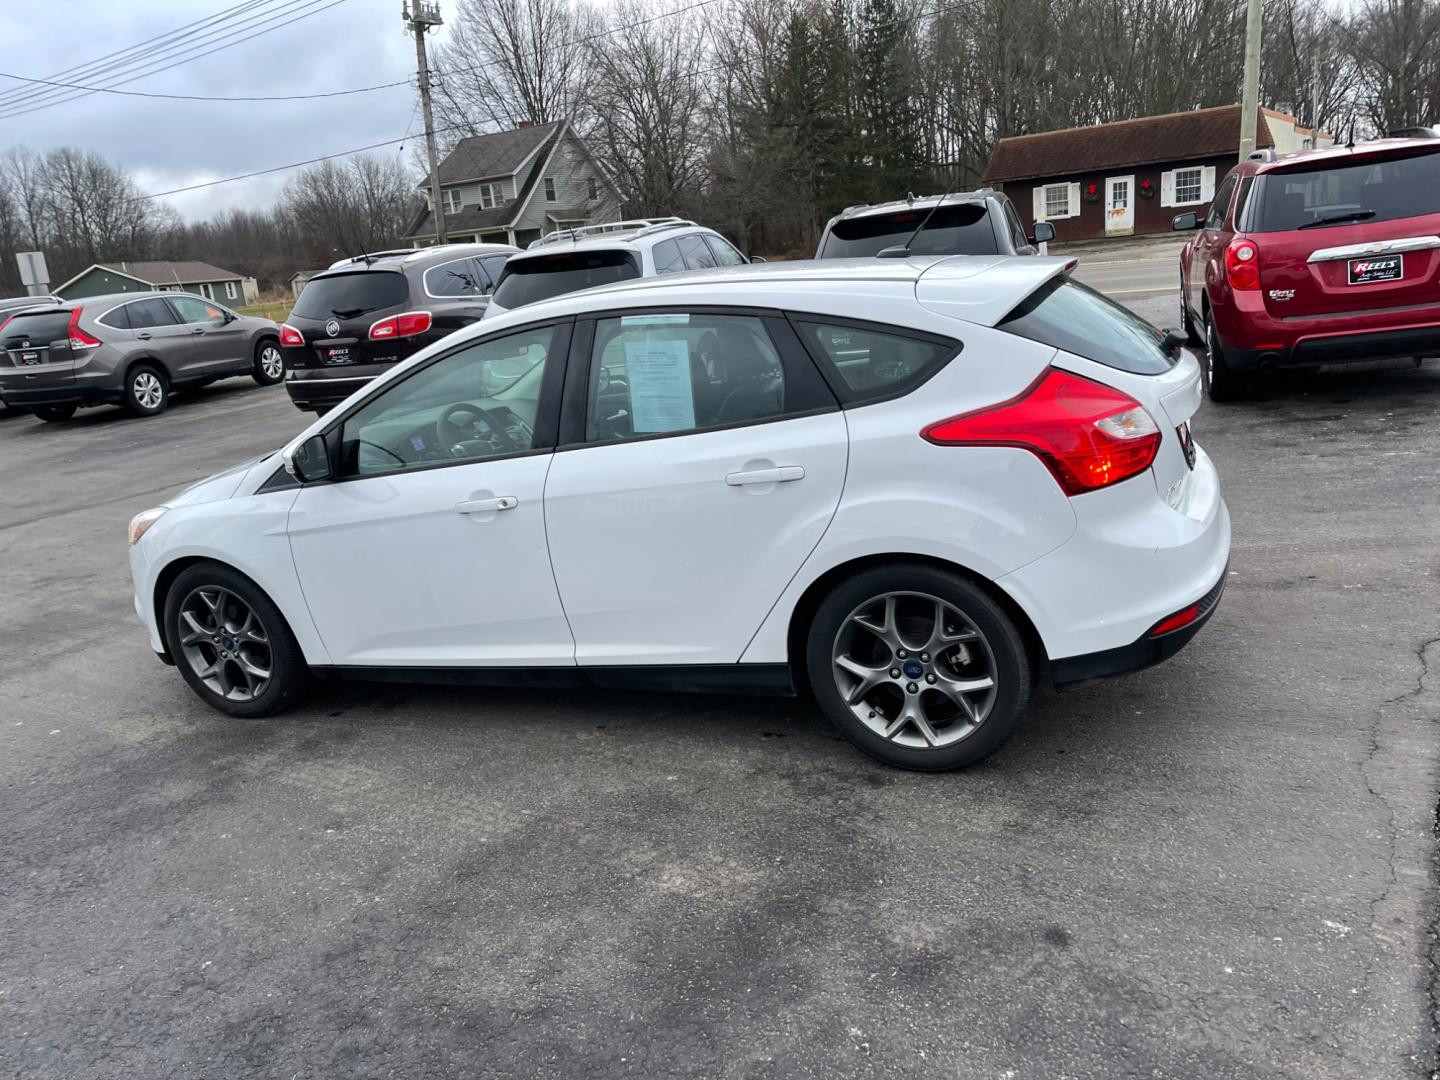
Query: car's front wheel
(231, 643)
(918, 667)
(269, 366)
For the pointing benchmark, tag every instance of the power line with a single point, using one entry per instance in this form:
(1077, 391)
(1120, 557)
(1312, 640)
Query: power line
(91, 68)
(207, 97)
(458, 127)
(275, 24)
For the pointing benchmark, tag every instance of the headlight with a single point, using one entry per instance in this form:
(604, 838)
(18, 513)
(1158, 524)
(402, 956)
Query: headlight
(143, 520)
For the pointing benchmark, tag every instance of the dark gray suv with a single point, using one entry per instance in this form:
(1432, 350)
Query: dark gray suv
(982, 222)
(129, 350)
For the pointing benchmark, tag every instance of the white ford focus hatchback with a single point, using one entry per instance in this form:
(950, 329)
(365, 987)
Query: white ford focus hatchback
(911, 487)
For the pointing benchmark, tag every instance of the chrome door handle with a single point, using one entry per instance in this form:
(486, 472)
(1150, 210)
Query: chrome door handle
(781, 474)
(483, 506)
(198, 330)
(143, 336)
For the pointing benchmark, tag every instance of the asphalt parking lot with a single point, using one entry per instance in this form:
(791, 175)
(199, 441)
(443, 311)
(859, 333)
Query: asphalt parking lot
(1221, 867)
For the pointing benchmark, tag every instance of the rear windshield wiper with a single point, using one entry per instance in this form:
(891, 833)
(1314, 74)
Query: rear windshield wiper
(348, 313)
(1337, 219)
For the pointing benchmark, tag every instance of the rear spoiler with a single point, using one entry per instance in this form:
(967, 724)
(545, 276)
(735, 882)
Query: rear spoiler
(994, 285)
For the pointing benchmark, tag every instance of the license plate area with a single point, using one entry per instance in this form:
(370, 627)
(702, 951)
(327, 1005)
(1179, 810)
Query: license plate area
(1368, 270)
(337, 354)
(28, 358)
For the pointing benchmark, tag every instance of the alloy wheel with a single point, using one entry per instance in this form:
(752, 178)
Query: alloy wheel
(914, 669)
(225, 643)
(271, 362)
(148, 390)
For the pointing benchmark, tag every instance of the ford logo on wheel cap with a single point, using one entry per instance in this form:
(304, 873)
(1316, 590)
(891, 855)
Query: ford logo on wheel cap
(332, 328)
(913, 669)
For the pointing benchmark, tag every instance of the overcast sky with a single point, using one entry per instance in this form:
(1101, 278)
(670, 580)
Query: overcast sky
(168, 144)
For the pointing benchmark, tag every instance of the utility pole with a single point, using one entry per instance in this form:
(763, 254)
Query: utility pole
(1250, 97)
(421, 16)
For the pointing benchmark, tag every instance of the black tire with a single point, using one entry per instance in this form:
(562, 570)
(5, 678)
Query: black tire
(146, 391)
(1225, 383)
(268, 369)
(53, 414)
(1003, 648)
(234, 647)
(1187, 324)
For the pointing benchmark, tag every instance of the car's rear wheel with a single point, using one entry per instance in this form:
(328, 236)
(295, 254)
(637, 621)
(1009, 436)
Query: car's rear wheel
(231, 643)
(1224, 382)
(269, 365)
(53, 414)
(918, 667)
(146, 391)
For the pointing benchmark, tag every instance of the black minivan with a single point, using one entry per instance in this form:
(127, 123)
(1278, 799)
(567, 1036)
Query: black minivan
(366, 314)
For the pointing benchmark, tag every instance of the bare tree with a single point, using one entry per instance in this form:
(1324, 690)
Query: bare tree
(363, 204)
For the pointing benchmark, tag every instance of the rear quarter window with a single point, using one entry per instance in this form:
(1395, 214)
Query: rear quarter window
(1067, 315)
(864, 362)
(351, 295)
(540, 277)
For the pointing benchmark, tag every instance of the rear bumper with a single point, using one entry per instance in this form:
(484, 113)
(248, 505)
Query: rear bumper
(1254, 338)
(322, 388)
(29, 397)
(1145, 652)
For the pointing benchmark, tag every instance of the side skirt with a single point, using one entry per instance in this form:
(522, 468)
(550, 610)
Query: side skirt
(759, 679)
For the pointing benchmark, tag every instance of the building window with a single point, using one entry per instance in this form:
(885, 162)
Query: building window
(1188, 184)
(452, 200)
(592, 187)
(1057, 201)
(549, 189)
(490, 196)
(230, 291)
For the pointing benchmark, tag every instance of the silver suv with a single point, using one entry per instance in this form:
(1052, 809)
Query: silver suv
(569, 260)
(982, 222)
(130, 350)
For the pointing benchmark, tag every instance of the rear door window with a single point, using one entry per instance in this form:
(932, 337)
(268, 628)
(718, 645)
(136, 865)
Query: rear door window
(539, 277)
(870, 363)
(696, 252)
(1368, 190)
(494, 266)
(36, 328)
(148, 313)
(953, 230)
(1067, 315)
(348, 296)
(667, 257)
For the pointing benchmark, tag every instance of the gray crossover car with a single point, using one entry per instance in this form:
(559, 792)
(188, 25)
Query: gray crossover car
(130, 350)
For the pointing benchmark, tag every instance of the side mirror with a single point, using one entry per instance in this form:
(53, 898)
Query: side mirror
(1044, 232)
(1185, 222)
(757, 258)
(310, 461)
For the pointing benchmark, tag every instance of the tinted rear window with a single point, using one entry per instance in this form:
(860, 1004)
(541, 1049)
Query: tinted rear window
(1073, 317)
(954, 230)
(348, 296)
(540, 277)
(1372, 190)
(37, 327)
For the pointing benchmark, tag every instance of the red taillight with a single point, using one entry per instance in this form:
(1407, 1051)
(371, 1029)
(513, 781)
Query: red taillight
(1242, 265)
(1089, 435)
(79, 339)
(1183, 617)
(406, 324)
(290, 336)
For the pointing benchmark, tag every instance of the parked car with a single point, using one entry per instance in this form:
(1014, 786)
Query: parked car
(129, 349)
(364, 315)
(581, 258)
(1322, 257)
(10, 305)
(982, 222)
(915, 486)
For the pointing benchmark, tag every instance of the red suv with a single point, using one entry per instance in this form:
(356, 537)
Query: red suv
(1320, 257)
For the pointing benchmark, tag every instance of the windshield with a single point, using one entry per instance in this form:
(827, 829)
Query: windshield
(346, 296)
(1076, 318)
(524, 281)
(1371, 190)
(953, 230)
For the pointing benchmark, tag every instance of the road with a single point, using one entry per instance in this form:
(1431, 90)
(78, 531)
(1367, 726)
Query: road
(1218, 868)
(1133, 280)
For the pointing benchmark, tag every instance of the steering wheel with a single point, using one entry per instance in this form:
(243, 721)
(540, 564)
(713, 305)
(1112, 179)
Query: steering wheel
(449, 433)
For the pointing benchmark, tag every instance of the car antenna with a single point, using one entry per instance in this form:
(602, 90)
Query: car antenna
(902, 251)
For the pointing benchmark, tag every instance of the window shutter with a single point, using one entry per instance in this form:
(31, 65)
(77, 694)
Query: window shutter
(1037, 202)
(1167, 188)
(1207, 183)
(1073, 202)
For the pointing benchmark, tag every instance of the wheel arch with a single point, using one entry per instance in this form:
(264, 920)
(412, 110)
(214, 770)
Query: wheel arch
(166, 578)
(147, 360)
(804, 610)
